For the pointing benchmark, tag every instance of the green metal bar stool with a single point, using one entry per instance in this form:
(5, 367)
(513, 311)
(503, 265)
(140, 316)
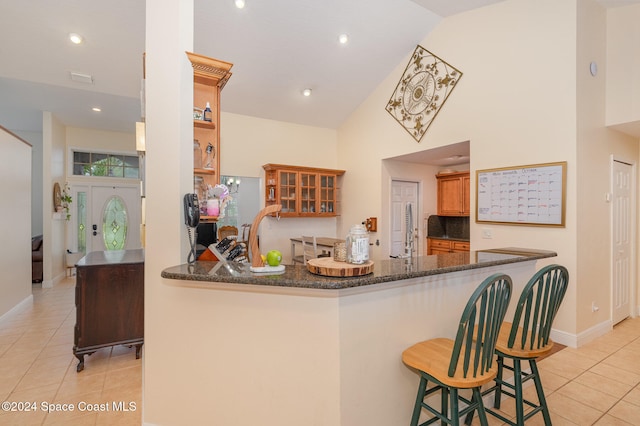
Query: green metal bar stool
(526, 339)
(467, 362)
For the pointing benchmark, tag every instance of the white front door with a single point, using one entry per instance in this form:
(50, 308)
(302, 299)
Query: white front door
(115, 218)
(622, 227)
(403, 193)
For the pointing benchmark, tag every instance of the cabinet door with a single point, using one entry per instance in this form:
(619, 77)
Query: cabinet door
(327, 194)
(287, 188)
(449, 196)
(308, 193)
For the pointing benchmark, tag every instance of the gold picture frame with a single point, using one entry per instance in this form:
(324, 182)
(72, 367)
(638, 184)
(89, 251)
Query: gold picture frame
(532, 195)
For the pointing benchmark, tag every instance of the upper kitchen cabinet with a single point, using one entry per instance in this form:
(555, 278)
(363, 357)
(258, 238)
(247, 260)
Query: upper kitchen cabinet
(302, 191)
(453, 194)
(209, 78)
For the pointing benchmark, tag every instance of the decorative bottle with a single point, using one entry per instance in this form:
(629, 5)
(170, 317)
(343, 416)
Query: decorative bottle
(207, 113)
(357, 245)
(209, 157)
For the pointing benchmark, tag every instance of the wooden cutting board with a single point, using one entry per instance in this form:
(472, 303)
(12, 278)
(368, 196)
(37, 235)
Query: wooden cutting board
(328, 267)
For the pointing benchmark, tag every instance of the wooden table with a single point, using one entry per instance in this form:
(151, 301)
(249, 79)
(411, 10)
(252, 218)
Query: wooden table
(325, 243)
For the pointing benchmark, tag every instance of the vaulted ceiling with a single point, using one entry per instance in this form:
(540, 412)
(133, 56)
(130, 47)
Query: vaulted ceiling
(278, 47)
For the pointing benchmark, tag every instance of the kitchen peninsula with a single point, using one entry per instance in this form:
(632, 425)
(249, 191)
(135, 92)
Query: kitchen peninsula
(299, 348)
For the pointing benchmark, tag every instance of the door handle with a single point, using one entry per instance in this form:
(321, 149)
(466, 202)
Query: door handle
(95, 229)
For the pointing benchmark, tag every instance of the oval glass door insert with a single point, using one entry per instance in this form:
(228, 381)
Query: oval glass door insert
(115, 224)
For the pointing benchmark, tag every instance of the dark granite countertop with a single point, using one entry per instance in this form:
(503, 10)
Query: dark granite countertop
(384, 270)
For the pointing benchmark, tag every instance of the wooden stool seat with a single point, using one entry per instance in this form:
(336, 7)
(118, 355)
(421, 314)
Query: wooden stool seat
(502, 345)
(434, 356)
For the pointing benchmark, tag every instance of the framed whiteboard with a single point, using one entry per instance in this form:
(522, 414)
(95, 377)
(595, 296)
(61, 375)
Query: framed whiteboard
(532, 195)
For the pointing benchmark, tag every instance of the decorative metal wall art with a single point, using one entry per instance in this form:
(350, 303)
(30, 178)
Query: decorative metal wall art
(423, 88)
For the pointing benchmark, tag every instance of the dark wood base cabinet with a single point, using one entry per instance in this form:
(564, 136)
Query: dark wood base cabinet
(109, 302)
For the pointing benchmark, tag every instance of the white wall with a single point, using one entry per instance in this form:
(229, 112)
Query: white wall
(247, 143)
(169, 175)
(35, 139)
(15, 203)
(53, 143)
(596, 144)
(623, 69)
(92, 139)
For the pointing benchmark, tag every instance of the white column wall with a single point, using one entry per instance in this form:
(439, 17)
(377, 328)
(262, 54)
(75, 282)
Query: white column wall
(15, 203)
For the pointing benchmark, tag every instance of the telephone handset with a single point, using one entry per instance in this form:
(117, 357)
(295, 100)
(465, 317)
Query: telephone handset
(191, 210)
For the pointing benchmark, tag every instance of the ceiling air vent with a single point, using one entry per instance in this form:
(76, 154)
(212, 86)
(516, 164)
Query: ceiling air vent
(81, 78)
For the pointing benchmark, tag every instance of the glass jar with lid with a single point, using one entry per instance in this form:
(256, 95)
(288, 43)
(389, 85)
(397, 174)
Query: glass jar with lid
(197, 154)
(357, 245)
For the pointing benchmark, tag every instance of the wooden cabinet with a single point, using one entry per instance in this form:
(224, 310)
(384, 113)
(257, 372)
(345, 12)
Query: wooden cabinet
(302, 191)
(453, 194)
(209, 77)
(440, 246)
(109, 302)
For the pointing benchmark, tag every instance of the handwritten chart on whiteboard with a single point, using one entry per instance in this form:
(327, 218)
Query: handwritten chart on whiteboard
(525, 195)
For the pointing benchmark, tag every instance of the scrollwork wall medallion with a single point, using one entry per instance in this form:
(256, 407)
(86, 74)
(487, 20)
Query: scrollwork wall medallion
(423, 88)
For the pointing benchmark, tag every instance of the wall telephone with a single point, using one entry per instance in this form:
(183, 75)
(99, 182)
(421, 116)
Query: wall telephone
(191, 210)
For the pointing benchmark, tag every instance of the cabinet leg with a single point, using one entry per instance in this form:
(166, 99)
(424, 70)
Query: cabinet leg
(80, 366)
(138, 350)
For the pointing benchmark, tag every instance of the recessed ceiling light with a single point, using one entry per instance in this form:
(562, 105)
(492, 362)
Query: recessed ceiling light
(306, 92)
(239, 4)
(75, 38)
(96, 109)
(343, 38)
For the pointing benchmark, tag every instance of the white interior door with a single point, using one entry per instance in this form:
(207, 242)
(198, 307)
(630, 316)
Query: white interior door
(403, 192)
(115, 218)
(623, 225)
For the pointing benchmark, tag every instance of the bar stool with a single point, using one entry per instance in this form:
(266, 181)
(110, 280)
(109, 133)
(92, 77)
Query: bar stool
(467, 362)
(527, 338)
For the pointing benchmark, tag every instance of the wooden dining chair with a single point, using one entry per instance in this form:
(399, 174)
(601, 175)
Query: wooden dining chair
(309, 248)
(464, 363)
(527, 338)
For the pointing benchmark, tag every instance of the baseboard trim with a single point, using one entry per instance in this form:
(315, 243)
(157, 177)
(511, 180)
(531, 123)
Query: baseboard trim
(577, 340)
(26, 301)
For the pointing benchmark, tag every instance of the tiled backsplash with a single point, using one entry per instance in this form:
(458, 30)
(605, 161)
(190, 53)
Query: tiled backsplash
(448, 226)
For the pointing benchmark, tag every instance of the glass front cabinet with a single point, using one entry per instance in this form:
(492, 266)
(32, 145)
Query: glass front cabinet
(302, 191)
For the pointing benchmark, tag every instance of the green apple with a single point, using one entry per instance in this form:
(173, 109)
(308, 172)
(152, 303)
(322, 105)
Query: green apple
(274, 257)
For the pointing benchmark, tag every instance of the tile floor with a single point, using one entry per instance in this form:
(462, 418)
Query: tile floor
(37, 366)
(597, 384)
